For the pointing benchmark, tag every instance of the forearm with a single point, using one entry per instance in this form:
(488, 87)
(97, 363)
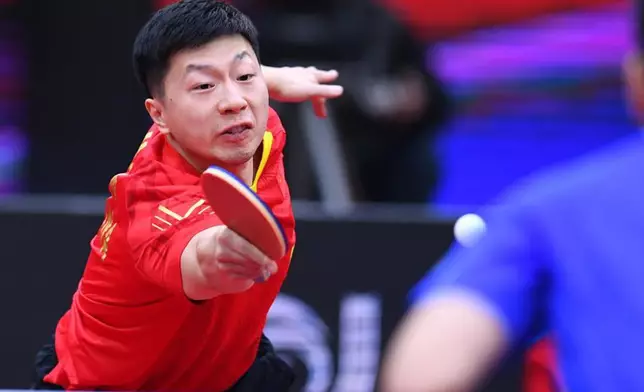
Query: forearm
(449, 344)
(193, 258)
(269, 77)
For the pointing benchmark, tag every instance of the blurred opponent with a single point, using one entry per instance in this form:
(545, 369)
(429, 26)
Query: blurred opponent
(566, 248)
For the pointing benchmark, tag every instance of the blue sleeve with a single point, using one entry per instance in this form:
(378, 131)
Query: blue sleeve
(505, 269)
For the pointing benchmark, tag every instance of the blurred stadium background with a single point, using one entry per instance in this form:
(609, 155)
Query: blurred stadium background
(511, 87)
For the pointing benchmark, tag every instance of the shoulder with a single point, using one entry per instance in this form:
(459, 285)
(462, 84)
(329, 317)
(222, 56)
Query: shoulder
(159, 216)
(276, 129)
(607, 172)
(535, 209)
(157, 167)
(149, 150)
(274, 122)
(153, 188)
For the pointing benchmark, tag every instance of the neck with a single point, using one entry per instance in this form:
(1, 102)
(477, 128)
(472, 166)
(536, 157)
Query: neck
(245, 171)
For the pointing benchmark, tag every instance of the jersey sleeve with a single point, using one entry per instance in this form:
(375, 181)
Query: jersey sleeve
(540, 371)
(505, 270)
(160, 228)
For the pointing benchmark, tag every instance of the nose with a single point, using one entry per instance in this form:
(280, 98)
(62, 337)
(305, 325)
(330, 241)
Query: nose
(231, 101)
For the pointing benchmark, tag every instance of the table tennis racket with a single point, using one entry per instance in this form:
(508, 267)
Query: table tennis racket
(243, 212)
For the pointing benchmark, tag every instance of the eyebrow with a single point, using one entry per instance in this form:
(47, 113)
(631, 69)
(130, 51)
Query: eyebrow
(209, 68)
(241, 55)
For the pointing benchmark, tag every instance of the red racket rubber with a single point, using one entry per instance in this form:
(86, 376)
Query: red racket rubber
(241, 209)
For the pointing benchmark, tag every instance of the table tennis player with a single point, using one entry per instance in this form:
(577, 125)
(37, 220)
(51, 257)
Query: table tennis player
(567, 245)
(168, 299)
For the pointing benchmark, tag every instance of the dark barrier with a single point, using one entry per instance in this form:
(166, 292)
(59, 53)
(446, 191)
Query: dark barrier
(345, 293)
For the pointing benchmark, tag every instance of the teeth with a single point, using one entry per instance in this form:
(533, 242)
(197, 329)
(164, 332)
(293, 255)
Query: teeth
(237, 129)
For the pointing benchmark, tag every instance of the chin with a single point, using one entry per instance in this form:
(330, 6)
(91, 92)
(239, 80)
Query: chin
(234, 158)
(236, 155)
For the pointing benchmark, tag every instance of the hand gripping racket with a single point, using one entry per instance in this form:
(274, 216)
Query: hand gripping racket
(243, 212)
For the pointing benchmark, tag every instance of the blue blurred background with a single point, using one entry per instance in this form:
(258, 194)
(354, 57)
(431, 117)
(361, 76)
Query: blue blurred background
(530, 94)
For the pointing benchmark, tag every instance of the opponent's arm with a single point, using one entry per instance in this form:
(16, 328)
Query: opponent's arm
(446, 344)
(476, 304)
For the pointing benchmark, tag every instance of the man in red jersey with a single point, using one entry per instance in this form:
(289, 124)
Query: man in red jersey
(168, 299)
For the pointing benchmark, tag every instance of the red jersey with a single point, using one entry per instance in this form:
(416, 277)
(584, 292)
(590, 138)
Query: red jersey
(130, 326)
(540, 374)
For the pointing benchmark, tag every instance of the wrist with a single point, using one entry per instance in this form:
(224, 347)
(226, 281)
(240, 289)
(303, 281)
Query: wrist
(270, 78)
(206, 271)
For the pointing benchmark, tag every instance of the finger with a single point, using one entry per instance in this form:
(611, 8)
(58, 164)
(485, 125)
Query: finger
(326, 90)
(325, 76)
(242, 271)
(238, 264)
(235, 259)
(243, 253)
(232, 257)
(258, 277)
(255, 273)
(263, 277)
(244, 278)
(243, 248)
(319, 106)
(234, 273)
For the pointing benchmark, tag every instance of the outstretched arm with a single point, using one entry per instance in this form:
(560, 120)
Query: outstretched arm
(298, 84)
(449, 343)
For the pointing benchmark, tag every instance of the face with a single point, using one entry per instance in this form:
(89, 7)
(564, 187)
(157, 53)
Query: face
(215, 104)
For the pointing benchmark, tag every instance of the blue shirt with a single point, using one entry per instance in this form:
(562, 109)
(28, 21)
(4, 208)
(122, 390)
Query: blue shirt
(567, 245)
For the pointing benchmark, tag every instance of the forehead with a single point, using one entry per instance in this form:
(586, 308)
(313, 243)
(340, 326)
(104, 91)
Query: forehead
(219, 53)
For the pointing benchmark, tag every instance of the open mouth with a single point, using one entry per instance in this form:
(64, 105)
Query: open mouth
(237, 129)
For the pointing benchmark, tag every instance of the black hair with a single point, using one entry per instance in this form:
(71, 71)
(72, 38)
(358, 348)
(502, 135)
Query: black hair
(187, 24)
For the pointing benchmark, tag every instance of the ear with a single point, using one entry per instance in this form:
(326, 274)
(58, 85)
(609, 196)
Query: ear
(634, 78)
(157, 113)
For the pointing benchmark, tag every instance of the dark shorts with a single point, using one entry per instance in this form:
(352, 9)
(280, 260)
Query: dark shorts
(268, 373)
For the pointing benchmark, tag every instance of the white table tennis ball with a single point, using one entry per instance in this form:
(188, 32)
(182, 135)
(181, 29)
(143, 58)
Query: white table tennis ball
(469, 229)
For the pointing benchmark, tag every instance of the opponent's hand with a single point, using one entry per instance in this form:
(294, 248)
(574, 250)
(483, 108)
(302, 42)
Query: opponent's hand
(298, 84)
(235, 264)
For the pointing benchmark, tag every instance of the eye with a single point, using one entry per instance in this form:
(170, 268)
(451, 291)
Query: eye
(203, 86)
(246, 77)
